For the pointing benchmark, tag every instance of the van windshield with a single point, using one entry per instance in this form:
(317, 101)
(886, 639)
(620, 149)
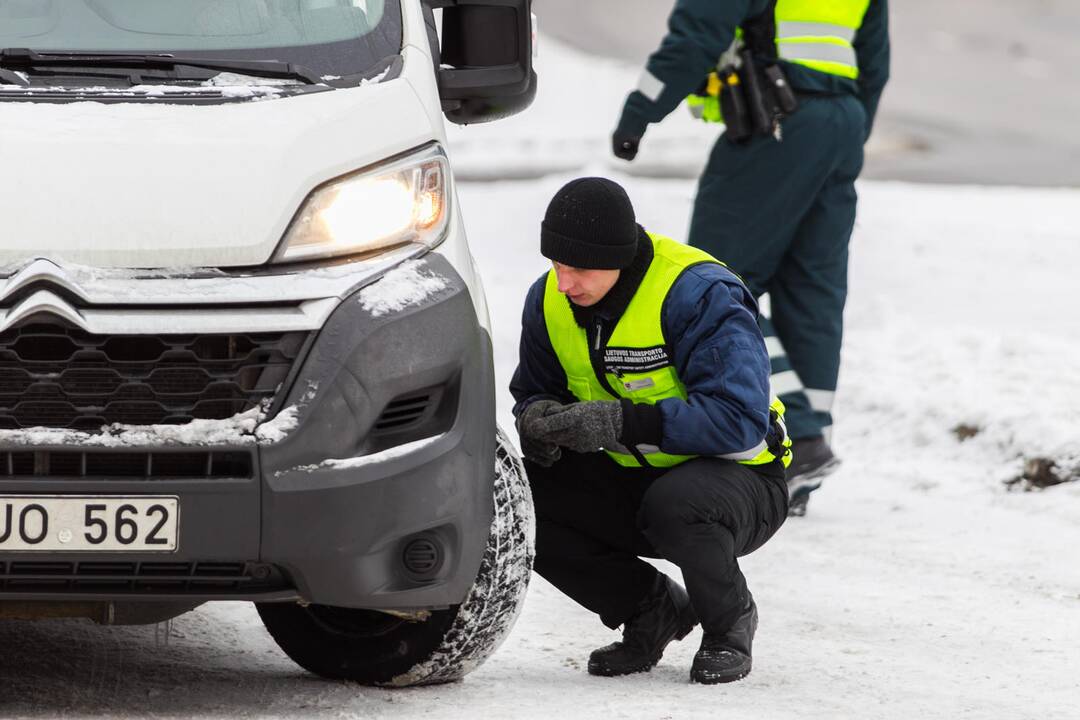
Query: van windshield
(332, 37)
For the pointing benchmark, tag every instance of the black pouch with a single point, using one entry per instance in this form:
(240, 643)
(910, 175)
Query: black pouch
(784, 95)
(769, 97)
(733, 106)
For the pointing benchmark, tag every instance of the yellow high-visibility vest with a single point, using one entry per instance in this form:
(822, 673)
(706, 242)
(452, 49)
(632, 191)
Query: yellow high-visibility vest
(818, 34)
(635, 360)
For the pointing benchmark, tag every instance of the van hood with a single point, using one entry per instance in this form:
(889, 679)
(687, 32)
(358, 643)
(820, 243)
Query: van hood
(149, 185)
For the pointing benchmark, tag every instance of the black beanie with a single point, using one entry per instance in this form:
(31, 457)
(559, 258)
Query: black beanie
(590, 224)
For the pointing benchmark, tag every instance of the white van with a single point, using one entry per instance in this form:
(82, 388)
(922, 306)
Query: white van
(244, 351)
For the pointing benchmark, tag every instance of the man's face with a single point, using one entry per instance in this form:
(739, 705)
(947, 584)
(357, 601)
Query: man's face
(584, 287)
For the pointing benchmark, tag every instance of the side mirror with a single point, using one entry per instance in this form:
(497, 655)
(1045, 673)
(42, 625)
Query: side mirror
(485, 70)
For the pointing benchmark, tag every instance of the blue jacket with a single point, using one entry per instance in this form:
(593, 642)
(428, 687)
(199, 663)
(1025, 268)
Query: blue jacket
(699, 31)
(709, 319)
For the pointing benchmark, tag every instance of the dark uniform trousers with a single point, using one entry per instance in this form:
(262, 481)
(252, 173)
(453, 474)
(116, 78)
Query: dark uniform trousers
(596, 519)
(780, 214)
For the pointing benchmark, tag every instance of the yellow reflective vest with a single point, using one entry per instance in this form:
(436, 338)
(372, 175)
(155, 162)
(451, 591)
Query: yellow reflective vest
(634, 360)
(818, 34)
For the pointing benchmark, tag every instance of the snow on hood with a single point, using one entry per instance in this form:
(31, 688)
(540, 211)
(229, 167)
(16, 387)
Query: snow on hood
(153, 185)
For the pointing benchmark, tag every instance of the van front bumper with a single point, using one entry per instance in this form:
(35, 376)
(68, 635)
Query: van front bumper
(371, 487)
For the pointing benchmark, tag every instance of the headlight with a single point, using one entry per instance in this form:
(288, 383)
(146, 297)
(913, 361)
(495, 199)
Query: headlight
(403, 201)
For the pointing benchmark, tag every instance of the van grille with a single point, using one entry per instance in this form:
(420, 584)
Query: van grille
(404, 412)
(55, 376)
(139, 577)
(125, 465)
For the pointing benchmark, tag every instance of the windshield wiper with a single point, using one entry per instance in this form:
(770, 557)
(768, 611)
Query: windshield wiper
(10, 77)
(25, 59)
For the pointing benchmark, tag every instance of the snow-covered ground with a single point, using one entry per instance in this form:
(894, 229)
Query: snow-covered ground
(917, 587)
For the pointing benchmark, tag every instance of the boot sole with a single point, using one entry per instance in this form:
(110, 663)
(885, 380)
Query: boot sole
(601, 671)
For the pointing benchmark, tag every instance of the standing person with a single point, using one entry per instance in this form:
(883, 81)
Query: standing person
(650, 350)
(779, 206)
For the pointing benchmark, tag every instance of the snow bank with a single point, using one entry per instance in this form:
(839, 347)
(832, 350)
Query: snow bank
(961, 343)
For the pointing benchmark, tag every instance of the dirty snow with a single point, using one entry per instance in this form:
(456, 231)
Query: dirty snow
(408, 284)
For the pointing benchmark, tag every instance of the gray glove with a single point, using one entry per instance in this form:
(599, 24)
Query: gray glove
(583, 427)
(533, 447)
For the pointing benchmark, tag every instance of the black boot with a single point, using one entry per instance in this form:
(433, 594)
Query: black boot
(812, 459)
(725, 657)
(664, 615)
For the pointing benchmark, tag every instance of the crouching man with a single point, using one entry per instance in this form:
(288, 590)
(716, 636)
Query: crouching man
(647, 426)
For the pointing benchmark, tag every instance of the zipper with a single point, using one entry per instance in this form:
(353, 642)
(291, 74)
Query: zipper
(596, 359)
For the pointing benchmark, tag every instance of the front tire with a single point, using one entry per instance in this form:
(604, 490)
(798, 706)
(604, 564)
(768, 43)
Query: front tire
(374, 648)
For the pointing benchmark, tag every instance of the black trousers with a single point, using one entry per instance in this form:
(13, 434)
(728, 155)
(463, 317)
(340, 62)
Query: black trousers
(596, 519)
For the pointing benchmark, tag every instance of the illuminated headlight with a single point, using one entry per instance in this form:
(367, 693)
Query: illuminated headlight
(403, 201)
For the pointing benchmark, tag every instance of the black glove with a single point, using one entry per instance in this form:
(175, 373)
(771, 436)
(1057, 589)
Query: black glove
(625, 146)
(535, 449)
(583, 427)
(544, 454)
(627, 136)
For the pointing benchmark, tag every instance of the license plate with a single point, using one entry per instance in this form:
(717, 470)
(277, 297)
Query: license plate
(85, 523)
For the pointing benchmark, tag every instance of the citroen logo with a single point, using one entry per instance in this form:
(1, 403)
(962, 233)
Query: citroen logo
(42, 301)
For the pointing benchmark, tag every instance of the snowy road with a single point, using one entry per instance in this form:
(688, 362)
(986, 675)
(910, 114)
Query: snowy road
(917, 587)
(982, 91)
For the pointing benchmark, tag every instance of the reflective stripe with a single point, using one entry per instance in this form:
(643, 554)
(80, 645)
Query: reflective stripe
(785, 382)
(820, 400)
(747, 454)
(783, 427)
(650, 86)
(772, 344)
(816, 50)
(789, 29)
(697, 109)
